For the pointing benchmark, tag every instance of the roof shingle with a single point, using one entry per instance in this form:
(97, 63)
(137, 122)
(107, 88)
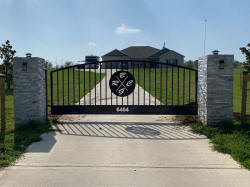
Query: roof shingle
(140, 51)
(115, 52)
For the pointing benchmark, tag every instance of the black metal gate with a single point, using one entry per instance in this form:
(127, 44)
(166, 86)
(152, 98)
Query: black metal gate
(124, 87)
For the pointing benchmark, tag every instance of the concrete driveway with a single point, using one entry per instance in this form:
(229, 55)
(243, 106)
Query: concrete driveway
(112, 150)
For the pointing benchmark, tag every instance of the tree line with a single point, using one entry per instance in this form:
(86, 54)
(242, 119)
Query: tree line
(7, 53)
(194, 64)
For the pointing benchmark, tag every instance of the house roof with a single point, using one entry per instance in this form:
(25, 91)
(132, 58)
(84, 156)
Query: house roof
(163, 51)
(115, 52)
(160, 52)
(139, 51)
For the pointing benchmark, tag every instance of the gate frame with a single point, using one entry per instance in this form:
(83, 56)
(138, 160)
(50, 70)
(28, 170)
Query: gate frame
(186, 109)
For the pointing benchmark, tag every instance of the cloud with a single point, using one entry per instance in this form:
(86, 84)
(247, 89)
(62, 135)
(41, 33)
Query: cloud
(91, 44)
(123, 29)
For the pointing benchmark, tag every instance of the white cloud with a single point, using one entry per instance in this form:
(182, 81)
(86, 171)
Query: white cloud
(123, 29)
(92, 44)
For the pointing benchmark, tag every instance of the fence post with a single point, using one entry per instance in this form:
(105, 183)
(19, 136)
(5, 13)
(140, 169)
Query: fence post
(2, 94)
(29, 89)
(215, 88)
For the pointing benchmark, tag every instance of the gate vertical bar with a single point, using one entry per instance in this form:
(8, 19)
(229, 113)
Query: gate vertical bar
(84, 86)
(166, 84)
(111, 75)
(51, 87)
(122, 70)
(74, 86)
(95, 83)
(133, 76)
(172, 84)
(155, 84)
(144, 82)
(63, 85)
(68, 86)
(138, 84)
(184, 81)
(196, 86)
(106, 83)
(57, 86)
(89, 85)
(100, 83)
(79, 88)
(149, 83)
(161, 86)
(189, 80)
(127, 70)
(116, 97)
(178, 84)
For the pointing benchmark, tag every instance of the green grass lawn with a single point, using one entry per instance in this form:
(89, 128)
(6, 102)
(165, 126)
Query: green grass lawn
(71, 90)
(230, 137)
(167, 88)
(238, 91)
(15, 142)
(163, 90)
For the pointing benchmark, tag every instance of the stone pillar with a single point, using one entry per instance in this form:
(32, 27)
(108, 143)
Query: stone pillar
(29, 89)
(215, 88)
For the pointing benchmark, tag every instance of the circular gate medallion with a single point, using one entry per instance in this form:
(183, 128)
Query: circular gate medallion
(122, 83)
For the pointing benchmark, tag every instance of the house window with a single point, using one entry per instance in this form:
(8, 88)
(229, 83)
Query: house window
(172, 61)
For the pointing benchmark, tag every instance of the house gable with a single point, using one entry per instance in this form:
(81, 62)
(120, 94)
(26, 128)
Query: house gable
(159, 53)
(115, 52)
(164, 51)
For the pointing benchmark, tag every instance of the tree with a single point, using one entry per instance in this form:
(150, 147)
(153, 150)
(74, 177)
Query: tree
(196, 64)
(246, 52)
(68, 63)
(7, 54)
(189, 64)
(48, 65)
(237, 64)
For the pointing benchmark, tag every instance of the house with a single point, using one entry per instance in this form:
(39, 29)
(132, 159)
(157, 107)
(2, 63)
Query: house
(91, 59)
(143, 53)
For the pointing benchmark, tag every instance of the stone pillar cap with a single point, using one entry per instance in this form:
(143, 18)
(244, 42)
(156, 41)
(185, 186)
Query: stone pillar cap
(215, 52)
(28, 55)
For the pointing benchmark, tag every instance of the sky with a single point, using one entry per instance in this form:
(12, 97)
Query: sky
(68, 30)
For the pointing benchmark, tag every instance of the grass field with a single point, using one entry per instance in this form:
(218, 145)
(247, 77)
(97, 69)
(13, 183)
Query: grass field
(238, 91)
(168, 92)
(15, 142)
(71, 90)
